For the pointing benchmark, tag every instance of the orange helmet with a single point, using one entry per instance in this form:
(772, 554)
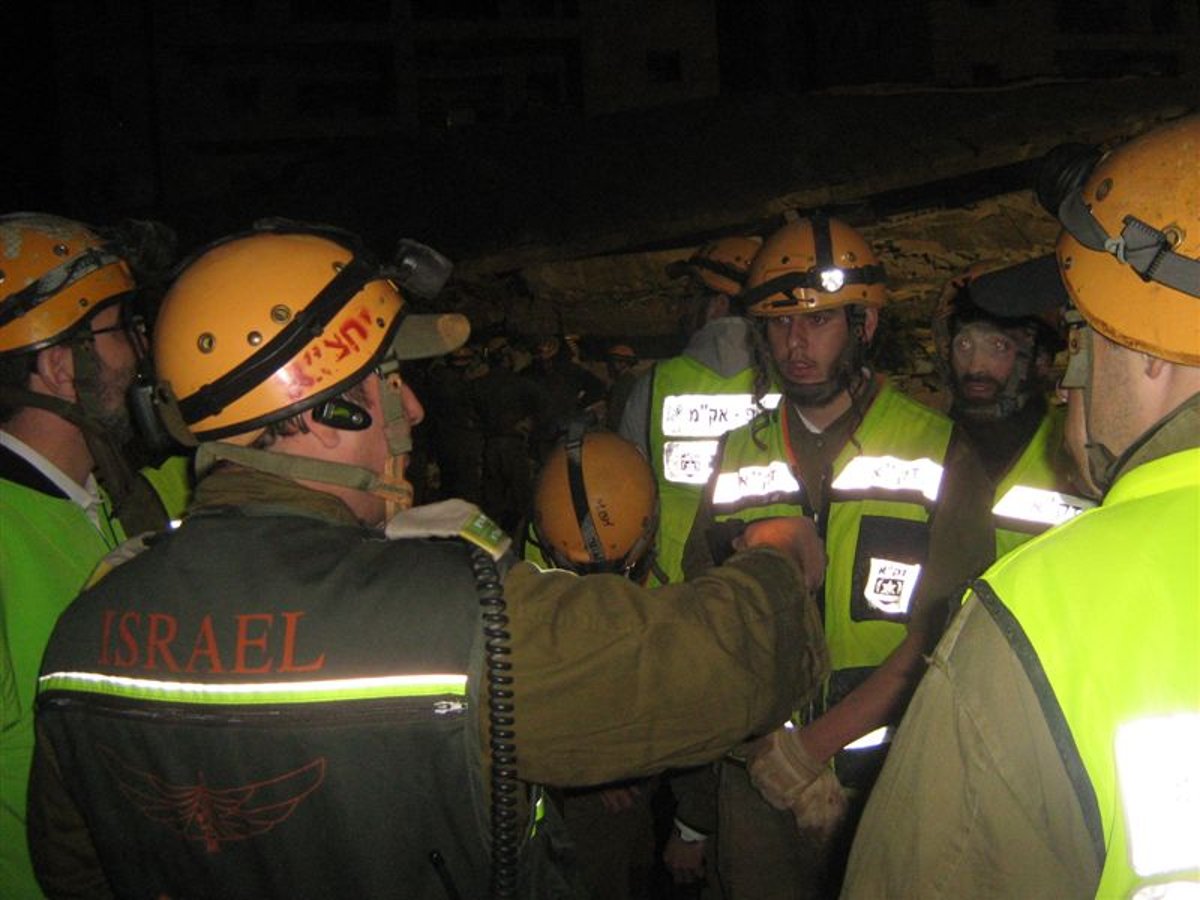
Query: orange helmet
(263, 325)
(720, 264)
(811, 264)
(55, 274)
(621, 352)
(1129, 251)
(595, 504)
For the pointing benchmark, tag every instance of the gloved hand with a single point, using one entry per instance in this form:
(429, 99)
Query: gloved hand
(788, 777)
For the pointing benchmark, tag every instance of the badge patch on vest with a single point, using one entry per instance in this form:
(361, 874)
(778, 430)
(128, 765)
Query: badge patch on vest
(887, 568)
(890, 585)
(688, 462)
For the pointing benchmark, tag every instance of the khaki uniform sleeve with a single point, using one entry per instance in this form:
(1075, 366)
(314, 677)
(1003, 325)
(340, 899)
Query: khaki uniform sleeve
(613, 680)
(974, 800)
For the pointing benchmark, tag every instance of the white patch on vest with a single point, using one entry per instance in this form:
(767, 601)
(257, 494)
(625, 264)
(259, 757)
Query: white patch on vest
(1030, 504)
(890, 473)
(688, 462)
(709, 415)
(890, 585)
(755, 481)
(1160, 791)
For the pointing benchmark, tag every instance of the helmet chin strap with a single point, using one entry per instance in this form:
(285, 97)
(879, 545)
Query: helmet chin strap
(391, 485)
(394, 489)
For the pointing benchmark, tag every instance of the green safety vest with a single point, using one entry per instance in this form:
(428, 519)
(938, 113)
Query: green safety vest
(48, 548)
(883, 487)
(172, 483)
(1028, 500)
(691, 407)
(1104, 614)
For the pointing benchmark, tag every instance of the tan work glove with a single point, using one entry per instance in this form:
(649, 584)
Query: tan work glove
(788, 777)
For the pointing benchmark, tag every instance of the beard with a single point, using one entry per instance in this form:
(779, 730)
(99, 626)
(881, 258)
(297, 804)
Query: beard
(109, 387)
(1007, 398)
(843, 373)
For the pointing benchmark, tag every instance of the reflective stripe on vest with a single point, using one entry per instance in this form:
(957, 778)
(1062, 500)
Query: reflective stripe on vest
(869, 474)
(696, 421)
(1039, 507)
(1027, 499)
(251, 693)
(772, 480)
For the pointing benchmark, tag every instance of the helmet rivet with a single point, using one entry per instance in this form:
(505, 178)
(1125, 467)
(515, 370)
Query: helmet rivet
(380, 322)
(1066, 263)
(338, 266)
(849, 256)
(1173, 233)
(280, 313)
(61, 250)
(785, 260)
(254, 338)
(83, 302)
(1103, 188)
(206, 342)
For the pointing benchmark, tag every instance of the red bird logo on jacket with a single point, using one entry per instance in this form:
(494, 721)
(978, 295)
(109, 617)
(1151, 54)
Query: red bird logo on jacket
(212, 815)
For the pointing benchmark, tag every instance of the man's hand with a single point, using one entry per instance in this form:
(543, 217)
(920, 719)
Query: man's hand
(684, 859)
(795, 536)
(789, 777)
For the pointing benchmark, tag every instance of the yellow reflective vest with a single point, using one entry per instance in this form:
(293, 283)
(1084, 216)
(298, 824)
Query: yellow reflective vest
(1104, 614)
(691, 407)
(883, 486)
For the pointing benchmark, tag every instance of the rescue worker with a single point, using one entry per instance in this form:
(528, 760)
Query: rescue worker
(594, 510)
(67, 493)
(904, 509)
(997, 366)
(1051, 749)
(679, 409)
(275, 700)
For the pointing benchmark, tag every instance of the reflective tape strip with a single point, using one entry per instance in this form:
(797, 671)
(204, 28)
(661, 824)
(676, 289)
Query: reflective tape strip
(383, 686)
(890, 585)
(1160, 791)
(688, 462)
(890, 473)
(755, 481)
(709, 415)
(876, 738)
(1029, 504)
